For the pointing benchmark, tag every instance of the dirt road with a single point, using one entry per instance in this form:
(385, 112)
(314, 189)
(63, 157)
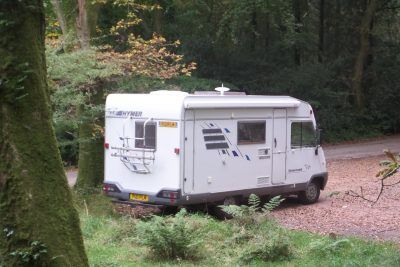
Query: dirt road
(362, 149)
(341, 214)
(351, 167)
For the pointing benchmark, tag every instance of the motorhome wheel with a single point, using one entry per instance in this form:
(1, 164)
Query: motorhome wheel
(311, 194)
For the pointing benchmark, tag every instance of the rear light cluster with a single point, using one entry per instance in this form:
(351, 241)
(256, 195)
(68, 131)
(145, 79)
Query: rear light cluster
(110, 188)
(169, 194)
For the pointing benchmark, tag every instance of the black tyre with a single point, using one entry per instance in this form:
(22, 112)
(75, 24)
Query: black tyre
(311, 194)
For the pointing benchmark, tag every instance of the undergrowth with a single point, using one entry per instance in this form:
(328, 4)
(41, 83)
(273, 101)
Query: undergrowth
(171, 237)
(200, 240)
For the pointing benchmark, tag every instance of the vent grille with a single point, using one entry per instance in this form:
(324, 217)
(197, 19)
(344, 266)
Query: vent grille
(262, 180)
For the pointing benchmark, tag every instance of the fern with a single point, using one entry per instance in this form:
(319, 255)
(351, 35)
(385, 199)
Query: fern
(234, 210)
(272, 204)
(170, 237)
(254, 202)
(248, 215)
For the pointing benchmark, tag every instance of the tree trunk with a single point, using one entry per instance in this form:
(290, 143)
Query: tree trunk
(365, 31)
(321, 30)
(158, 18)
(86, 22)
(35, 200)
(91, 158)
(91, 152)
(297, 29)
(81, 24)
(67, 12)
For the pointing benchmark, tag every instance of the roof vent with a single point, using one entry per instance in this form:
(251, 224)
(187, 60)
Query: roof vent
(222, 89)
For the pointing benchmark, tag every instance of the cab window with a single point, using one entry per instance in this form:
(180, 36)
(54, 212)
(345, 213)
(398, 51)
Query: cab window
(303, 134)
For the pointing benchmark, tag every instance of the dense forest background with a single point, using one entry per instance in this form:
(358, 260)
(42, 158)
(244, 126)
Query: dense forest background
(341, 56)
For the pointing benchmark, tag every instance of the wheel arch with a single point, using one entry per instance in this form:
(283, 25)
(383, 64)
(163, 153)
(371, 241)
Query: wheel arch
(320, 178)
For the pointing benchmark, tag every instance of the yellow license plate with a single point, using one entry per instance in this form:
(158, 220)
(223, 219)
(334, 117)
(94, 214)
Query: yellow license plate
(170, 124)
(139, 197)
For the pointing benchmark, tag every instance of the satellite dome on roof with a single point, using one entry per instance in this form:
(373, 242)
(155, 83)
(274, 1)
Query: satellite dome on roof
(222, 89)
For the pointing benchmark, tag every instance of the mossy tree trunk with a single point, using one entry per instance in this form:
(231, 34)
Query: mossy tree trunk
(35, 201)
(91, 139)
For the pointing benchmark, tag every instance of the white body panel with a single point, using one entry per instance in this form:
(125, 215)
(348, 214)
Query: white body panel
(210, 159)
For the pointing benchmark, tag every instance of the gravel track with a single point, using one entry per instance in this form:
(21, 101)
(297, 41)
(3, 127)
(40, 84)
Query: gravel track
(341, 214)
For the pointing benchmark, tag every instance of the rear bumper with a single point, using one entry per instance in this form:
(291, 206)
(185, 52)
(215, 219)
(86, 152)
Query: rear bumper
(153, 198)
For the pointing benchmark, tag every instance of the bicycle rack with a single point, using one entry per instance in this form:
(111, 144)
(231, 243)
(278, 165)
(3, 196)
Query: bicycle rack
(135, 159)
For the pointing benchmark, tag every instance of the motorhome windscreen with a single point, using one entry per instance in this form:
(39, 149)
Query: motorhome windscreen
(149, 140)
(302, 135)
(251, 132)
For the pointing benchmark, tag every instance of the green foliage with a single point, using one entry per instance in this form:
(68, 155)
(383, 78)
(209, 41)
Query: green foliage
(328, 247)
(391, 166)
(248, 214)
(35, 253)
(276, 248)
(93, 202)
(32, 256)
(272, 204)
(113, 240)
(265, 241)
(171, 237)
(73, 79)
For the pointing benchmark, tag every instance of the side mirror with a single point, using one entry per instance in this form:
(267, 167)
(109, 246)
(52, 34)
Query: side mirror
(317, 140)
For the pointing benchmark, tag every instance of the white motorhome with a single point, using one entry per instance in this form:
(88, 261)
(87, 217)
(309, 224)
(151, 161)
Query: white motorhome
(175, 149)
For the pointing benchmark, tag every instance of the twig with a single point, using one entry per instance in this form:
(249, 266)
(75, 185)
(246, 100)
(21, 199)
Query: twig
(86, 207)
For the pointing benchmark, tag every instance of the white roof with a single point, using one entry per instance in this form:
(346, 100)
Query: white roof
(239, 101)
(171, 103)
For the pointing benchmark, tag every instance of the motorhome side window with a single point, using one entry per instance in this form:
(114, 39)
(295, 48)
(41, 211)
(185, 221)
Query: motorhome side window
(303, 134)
(150, 135)
(251, 132)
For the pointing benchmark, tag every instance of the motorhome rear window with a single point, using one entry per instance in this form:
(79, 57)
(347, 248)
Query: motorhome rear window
(150, 135)
(303, 134)
(251, 132)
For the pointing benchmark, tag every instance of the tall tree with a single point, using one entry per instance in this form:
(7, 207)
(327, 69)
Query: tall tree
(365, 30)
(79, 18)
(35, 201)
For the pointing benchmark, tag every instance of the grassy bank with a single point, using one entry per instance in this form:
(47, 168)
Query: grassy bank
(199, 240)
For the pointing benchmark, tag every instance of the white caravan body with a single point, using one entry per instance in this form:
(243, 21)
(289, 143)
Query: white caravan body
(174, 148)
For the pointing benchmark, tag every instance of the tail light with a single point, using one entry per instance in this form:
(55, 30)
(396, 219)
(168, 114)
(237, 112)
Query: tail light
(169, 194)
(106, 145)
(110, 188)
